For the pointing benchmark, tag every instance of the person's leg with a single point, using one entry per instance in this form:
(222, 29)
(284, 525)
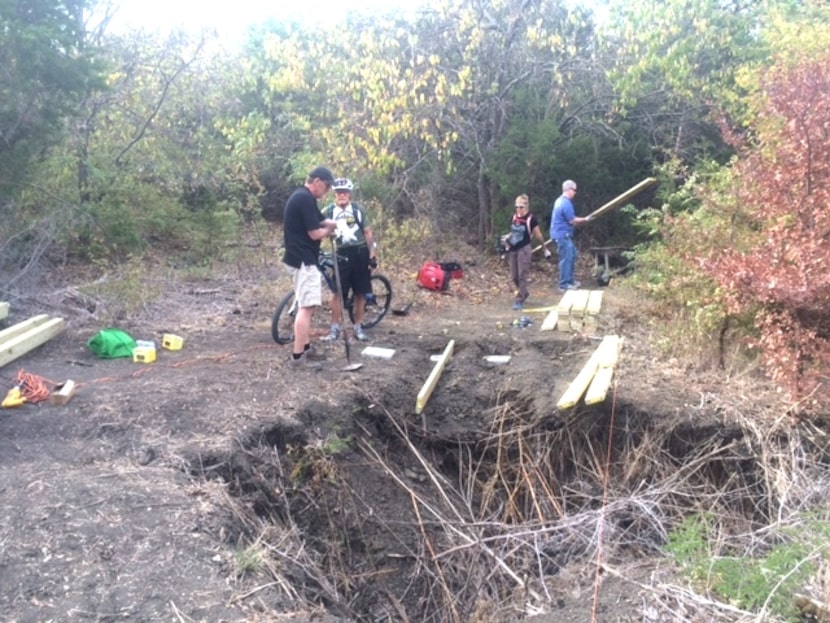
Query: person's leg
(514, 268)
(302, 327)
(361, 283)
(359, 309)
(336, 310)
(308, 288)
(523, 257)
(563, 245)
(513, 259)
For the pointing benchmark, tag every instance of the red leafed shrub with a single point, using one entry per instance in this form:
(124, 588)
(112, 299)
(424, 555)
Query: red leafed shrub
(782, 269)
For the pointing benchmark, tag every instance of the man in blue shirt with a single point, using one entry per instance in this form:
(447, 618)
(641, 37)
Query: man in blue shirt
(562, 224)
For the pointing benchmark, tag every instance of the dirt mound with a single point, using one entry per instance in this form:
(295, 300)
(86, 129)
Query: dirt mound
(218, 484)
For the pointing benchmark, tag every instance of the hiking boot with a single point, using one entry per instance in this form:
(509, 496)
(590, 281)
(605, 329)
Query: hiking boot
(305, 363)
(333, 335)
(517, 305)
(360, 335)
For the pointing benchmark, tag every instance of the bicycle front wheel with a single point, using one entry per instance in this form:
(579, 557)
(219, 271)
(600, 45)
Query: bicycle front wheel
(377, 303)
(282, 325)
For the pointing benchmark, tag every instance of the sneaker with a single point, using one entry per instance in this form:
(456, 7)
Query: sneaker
(312, 354)
(517, 305)
(305, 363)
(570, 286)
(360, 335)
(576, 284)
(333, 335)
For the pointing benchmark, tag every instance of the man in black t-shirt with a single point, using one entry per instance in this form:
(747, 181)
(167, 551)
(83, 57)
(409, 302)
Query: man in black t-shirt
(303, 228)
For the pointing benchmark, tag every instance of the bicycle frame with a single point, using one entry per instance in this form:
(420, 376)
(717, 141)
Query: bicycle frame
(378, 303)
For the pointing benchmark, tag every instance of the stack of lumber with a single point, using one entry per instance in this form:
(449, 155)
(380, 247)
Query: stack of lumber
(19, 339)
(576, 311)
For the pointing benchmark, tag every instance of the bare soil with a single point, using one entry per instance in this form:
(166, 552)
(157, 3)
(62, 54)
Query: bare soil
(219, 484)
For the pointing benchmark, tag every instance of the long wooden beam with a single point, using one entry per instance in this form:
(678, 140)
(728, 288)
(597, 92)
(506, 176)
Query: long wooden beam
(22, 327)
(22, 343)
(432, 379)
(623, 197)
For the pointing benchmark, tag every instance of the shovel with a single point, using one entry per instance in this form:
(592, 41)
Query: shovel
(403, 311)
(349, 367)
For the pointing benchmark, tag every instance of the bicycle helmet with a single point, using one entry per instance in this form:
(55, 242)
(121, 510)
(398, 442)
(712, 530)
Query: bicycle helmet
(343, 183)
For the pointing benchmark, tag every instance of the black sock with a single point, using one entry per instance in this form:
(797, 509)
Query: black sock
(306, 347)
(296, 356)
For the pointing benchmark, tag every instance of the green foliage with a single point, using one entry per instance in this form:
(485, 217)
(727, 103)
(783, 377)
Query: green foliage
(47, 69)
(334, 444)
(673, 62)
(748, 583)
(671, 266)
(250, 559)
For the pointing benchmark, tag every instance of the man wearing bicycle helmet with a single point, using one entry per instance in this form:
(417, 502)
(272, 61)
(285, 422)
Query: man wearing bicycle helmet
(304, 227)
(355, 255)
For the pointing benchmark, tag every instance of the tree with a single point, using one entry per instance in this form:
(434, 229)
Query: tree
(674, 62)
(777, 266)
(46, 69)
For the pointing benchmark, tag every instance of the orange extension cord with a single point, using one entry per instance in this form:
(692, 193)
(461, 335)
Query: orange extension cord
(33, 387)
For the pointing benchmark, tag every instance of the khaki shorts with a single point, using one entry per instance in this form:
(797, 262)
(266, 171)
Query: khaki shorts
(308, 285)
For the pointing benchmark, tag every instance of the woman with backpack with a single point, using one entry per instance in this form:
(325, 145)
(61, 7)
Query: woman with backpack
(523, 228)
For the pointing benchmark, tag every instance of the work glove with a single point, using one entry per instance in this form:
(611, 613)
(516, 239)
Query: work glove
(547, 253)
(373, 263)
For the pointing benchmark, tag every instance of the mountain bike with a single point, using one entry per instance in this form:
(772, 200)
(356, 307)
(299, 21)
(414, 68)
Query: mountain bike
(377, 305)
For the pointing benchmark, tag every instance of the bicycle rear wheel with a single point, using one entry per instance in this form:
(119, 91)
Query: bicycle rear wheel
(377, 303)
(282, 325)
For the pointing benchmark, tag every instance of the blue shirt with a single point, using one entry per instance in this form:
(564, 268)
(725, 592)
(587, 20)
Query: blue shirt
(560, 222)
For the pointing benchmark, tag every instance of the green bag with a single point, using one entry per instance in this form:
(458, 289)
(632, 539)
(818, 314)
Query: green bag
(111, 344)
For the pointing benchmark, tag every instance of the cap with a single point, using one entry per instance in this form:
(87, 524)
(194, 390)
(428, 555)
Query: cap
(321, 173)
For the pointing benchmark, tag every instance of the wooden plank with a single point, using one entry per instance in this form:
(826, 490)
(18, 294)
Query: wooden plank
(594, 302)
(606, 354)
(564, 310)
(580, 302)
(64, 393)
(566, 302)
(577, 387)
(539, 310)
(623, 197)
(609, 350)
(589, 325)
(599, 386)
(549, 323)
(432, 379)
(22, 327)
(21, 344)
(606, 364)
(4, 309)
